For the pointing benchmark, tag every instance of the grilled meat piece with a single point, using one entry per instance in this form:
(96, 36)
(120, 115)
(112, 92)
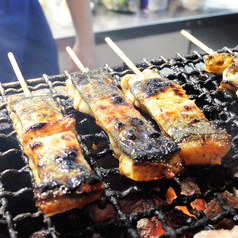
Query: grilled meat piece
(37, 117)
(229, 82)
(227, 65)
(63, 178)
(144, 154)
(178, 117)
(217, 63)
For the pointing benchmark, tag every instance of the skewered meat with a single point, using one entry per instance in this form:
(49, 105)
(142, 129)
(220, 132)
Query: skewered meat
(178, 117)
(144, 154)
(229, 82)
(217, 63)
(227, 65)
(63, 178)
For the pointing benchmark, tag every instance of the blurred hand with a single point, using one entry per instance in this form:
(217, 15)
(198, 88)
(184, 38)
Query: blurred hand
(86, 54)
(84, 46)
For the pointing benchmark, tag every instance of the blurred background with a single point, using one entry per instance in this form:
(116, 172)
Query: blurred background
(147, 28)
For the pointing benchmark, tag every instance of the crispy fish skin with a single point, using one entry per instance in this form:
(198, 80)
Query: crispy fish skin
(217, 63)
(61, 172)
(179, 118)
(63, 178)
(144, 154)
(30, 112)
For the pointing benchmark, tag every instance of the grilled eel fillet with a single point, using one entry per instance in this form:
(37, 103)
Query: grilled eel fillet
(144, 154)
(63, 178)
(178, 117)
(229, 82)
(227, 65)
(217, 63)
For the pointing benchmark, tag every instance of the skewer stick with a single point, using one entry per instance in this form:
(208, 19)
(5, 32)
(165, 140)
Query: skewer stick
(123, 57)
(19, 74)
(197, 42)
(76, 59)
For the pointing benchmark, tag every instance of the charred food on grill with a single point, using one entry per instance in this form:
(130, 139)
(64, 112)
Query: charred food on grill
(217, 63)
(144, 154)
(63, 178)
(227, 65)
(178, 117)
(229, 82)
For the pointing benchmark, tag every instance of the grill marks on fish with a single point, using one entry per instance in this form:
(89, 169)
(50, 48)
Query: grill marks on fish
(63, 178)
(178, 117)
(144, 154)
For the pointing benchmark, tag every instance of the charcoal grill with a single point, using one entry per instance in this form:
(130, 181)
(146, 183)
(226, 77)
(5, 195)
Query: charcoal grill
(20, 218)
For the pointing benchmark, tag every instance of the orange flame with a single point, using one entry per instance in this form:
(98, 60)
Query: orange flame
(198, 204)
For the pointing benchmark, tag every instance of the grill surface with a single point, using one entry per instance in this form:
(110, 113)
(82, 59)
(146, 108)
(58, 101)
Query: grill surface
(19, 216)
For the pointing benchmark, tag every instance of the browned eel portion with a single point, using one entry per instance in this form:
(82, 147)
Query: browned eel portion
(178, 117)
(144, 154)
(227, 65)
(63, 178)
(217, 63)
(229, 82)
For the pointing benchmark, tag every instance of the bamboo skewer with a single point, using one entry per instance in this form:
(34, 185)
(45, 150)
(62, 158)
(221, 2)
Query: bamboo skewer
(76, 59)
(197, 42)
(19, 74)
(124, 57)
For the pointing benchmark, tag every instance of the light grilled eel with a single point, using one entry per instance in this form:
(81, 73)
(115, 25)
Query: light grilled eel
(143, 153)
(229, 83)
(63, 178)
(227, 65)
(217, 63)
(178, 117)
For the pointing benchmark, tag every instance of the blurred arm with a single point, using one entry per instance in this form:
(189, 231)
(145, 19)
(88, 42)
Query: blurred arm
(84, 46)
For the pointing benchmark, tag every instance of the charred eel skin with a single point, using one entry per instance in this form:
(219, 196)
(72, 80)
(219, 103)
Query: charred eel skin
(180, 119)
(63, 178)
(144, 154)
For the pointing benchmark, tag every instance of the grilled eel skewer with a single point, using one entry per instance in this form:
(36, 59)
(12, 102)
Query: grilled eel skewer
(144, 154)
(178, 117)
(227, 65)
(63, 178)
(218, 63)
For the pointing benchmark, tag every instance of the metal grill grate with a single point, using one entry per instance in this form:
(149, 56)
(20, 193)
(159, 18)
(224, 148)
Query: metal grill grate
(131, 201)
